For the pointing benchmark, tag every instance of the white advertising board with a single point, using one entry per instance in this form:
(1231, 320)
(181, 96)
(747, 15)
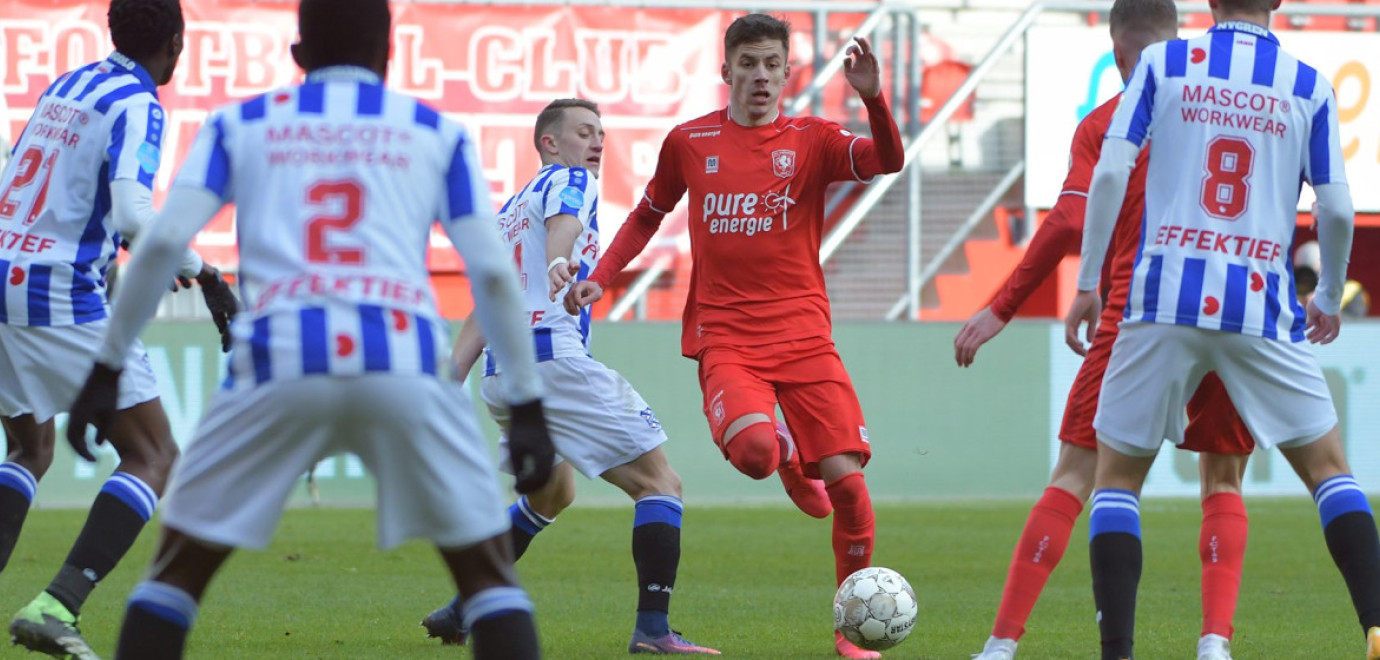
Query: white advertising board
(1070, 71)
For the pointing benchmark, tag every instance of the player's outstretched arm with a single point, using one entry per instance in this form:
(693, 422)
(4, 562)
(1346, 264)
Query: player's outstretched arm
(663, 192)
(498, 309)
(629, 242)
(132, 212)
(561, 232)
(1055, 238)
(884, 153)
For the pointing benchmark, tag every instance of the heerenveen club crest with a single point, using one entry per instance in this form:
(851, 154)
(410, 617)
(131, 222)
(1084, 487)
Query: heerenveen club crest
(783, 163)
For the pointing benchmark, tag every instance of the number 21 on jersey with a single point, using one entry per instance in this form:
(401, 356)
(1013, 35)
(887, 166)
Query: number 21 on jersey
(27, 169)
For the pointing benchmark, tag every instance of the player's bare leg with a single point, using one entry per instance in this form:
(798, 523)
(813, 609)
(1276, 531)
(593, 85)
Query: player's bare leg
(1115, 547)
(1348, 525)
(534, 511)
(531, 514)
(1043, 541)
(656, 492)
(163, 607)
(854, 528)
(496, 610)
(30, 453)
(757, 446)
(1222, 548)
(142, 437)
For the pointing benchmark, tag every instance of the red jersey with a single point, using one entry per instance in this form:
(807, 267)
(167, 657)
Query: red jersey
(756, 220)
(1062, 231)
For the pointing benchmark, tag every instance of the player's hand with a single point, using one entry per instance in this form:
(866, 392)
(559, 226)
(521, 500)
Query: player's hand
(560, 273)
(95, 405)
(180, 282)
(861, 70)
(1322, 328)
(220, 300)
(1085, 308)
(530, 452)
(582, 295)
(979, 330)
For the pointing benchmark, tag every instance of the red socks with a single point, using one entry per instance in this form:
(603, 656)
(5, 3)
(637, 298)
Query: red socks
(1042, 545)
(854, 525)
(1222, 547)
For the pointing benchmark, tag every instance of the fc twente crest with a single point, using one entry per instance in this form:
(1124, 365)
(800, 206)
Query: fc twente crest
(783, 163)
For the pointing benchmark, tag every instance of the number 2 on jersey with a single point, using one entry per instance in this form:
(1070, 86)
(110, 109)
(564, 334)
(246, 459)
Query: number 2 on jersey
(26, 170)
(341, 204)
(1227, 187)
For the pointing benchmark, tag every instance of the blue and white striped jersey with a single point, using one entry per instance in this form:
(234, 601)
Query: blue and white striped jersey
(554, 191)
(94, 125)
(336, 183)
(1236, 125)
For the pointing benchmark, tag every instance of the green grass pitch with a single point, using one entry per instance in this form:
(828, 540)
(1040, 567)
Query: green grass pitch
(754, 582)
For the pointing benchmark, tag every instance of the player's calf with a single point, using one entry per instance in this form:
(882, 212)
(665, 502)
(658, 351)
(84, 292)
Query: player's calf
(854, 524)
(161, 610)
(493, 608)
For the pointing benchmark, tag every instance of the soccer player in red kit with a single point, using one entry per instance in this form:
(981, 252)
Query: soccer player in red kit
(1215, 430)
(757, 316)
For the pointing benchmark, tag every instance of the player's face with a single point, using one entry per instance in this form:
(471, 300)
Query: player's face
(581, 140)
(755, 72)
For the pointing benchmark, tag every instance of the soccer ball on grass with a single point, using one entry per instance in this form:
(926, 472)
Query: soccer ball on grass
(875, 608)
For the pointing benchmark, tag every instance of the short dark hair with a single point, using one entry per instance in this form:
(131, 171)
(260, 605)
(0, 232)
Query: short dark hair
(1139, 14)
(344, 31)
(554, 113)
(757, 27)
(1248, 6)
(141, 28)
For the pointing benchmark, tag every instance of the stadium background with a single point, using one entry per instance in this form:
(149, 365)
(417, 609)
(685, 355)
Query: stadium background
(987, 93)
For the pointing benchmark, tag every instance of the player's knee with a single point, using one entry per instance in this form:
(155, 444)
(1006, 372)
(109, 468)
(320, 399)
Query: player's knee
(152, 456)
(1221, 473)
(36, 457)
(662, 481)
(754, 450)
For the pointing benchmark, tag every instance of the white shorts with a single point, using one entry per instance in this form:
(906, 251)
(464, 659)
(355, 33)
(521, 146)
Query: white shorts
(597, 420)
(42, 369)
(416, 435)
(1277, 387)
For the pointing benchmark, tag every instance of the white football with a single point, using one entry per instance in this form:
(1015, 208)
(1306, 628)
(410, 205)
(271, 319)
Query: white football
(875, 608)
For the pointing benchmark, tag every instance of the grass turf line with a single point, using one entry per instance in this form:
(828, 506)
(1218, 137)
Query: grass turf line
(754, 583)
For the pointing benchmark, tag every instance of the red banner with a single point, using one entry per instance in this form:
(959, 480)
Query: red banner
(492, 68)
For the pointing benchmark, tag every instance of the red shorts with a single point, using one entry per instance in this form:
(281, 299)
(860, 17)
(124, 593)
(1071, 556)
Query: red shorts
(806, 377)
(1213, 423)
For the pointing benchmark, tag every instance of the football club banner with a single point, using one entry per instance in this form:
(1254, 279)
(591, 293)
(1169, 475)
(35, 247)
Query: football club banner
(492, 68)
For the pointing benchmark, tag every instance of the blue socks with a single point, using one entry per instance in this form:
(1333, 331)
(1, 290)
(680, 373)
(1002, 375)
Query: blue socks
(17, 487)
(656, 552)
(1115, 553)
(157, 619)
